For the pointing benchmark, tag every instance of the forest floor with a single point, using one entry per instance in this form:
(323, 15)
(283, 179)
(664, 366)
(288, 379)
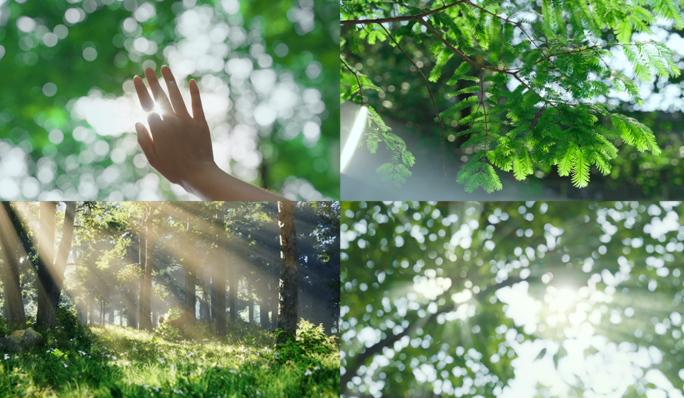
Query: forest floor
(115, 361)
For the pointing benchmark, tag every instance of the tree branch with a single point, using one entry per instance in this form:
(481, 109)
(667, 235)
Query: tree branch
(484, 109)
(432, 97)
(537, 116)
(416, 17)
(386, 342)
(357, 78)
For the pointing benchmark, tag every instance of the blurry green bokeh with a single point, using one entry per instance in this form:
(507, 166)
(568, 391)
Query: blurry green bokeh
(68, 107)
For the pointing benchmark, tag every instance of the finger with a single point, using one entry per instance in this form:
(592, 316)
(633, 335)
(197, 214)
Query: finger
(145, 141)
(174, 92)
(143, 94)
(197, 111)
(159, 95)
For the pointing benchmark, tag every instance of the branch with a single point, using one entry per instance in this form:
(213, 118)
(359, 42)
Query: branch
(579, 50)
(388, 341)
(416, 17)
(484, 109)
(432, 97)
(361, 358)
(357, 78)
(537, 116)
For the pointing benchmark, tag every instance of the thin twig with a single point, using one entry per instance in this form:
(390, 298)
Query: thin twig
(537, 116)
(416, 17)
(357, 78)
(432, 97)
(579, 50)
(484, 108)
(459, 53)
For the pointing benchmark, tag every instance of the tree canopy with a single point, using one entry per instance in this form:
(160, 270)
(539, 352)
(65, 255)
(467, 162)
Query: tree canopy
(127, 253)
(521, 87)
(512, 299)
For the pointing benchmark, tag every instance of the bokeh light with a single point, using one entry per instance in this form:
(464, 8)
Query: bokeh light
(267, 102)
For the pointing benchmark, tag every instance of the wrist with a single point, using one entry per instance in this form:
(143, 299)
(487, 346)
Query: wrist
(195, 180)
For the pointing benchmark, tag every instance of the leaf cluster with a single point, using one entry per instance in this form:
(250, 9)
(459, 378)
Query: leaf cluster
(536, 99)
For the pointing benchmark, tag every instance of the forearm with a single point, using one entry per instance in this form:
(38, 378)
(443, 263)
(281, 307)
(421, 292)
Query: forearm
(215, 184)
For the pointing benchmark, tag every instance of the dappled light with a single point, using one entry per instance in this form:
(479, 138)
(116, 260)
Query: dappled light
(512, 299)
(247, 292)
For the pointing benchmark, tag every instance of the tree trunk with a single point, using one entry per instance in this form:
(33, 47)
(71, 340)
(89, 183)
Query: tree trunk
(221, 300)
(47, 313)
(220, 284)
(144, 321)
(92, 308)
(274, 294)
(204, 310)
(287, 314)
(130, 306)
(263, 299)
(212, 293)
(9, 240)
(190, 282)
(232, 290)
(250, 303)
(46, 257)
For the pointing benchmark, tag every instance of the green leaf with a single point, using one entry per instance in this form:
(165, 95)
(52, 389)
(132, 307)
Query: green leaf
(522, 166)
(581, 167)
(442, 58)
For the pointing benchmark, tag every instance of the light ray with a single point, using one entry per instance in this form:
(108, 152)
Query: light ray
(354, 137)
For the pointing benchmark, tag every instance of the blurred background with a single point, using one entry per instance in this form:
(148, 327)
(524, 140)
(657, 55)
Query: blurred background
(68, 106)
(405, 106)
(512, 299)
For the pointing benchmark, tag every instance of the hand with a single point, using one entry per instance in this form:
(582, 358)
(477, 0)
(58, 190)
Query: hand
(179, 146)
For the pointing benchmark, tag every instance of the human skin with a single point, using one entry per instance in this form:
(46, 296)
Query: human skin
(178, 145)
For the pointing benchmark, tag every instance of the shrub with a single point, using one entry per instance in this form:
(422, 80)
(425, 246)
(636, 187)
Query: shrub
(70, 329)
(311, 341)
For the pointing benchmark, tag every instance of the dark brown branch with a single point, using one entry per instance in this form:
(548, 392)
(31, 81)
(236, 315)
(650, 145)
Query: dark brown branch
(484, 108)
(579, 50)
(432, 97)
(388, 341)
(361, 358)
(537, 116)
(357, 78)
(416, 17)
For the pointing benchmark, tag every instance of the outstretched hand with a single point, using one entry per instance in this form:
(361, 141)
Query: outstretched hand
(179, 145)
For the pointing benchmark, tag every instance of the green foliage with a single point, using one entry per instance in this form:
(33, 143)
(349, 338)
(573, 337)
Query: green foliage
(310, 344)
(124, 362)
(69, 328)
(51, 129)
(424, 300)
(539, 104)
(478, 173)
(4, 327)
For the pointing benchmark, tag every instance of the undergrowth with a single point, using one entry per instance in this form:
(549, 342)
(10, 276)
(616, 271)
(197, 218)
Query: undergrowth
(115, 361)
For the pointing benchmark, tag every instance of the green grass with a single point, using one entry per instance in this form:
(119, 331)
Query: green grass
(114, 361)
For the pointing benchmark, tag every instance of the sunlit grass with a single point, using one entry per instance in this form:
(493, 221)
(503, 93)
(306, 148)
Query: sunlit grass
(132, 363)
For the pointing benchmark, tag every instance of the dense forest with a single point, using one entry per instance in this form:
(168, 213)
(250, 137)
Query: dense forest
(177, 272)
(512, 299)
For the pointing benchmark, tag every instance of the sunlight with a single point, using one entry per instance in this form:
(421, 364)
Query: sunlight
(565, 297)
(354, 137)
(431, 287)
